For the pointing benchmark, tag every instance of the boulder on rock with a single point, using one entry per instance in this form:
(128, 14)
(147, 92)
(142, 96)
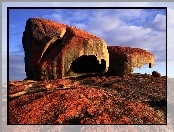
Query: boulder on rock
(156, 74)
(123, 60)
(54, 50)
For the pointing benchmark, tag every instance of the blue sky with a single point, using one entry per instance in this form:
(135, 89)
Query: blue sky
(121, 23)
(140, 28)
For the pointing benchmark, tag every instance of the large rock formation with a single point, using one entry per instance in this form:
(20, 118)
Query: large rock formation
(54, 50)
(123, 60)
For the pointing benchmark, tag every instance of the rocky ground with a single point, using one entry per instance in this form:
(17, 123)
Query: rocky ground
(133, 99)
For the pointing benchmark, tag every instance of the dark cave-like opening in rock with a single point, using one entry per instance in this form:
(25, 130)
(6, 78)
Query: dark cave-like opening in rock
(88, 64)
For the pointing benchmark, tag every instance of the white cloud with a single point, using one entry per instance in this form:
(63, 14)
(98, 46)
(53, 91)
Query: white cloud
(128, 33)
(68, 16)
(129, 13)
(57, 17)
(104, 21)
(159, 23)
(79, 15)
(150, 40)
(114, 27)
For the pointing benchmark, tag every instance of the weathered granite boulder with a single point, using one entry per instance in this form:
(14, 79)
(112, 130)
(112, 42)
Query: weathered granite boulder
(156, 74)
(123, 60)
(54, 50)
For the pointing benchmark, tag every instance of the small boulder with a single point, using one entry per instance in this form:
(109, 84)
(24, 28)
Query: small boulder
(156, 74)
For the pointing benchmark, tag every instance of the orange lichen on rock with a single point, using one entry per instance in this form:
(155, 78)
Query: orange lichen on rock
(89, 100)
(54, 50)
(123, 60)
